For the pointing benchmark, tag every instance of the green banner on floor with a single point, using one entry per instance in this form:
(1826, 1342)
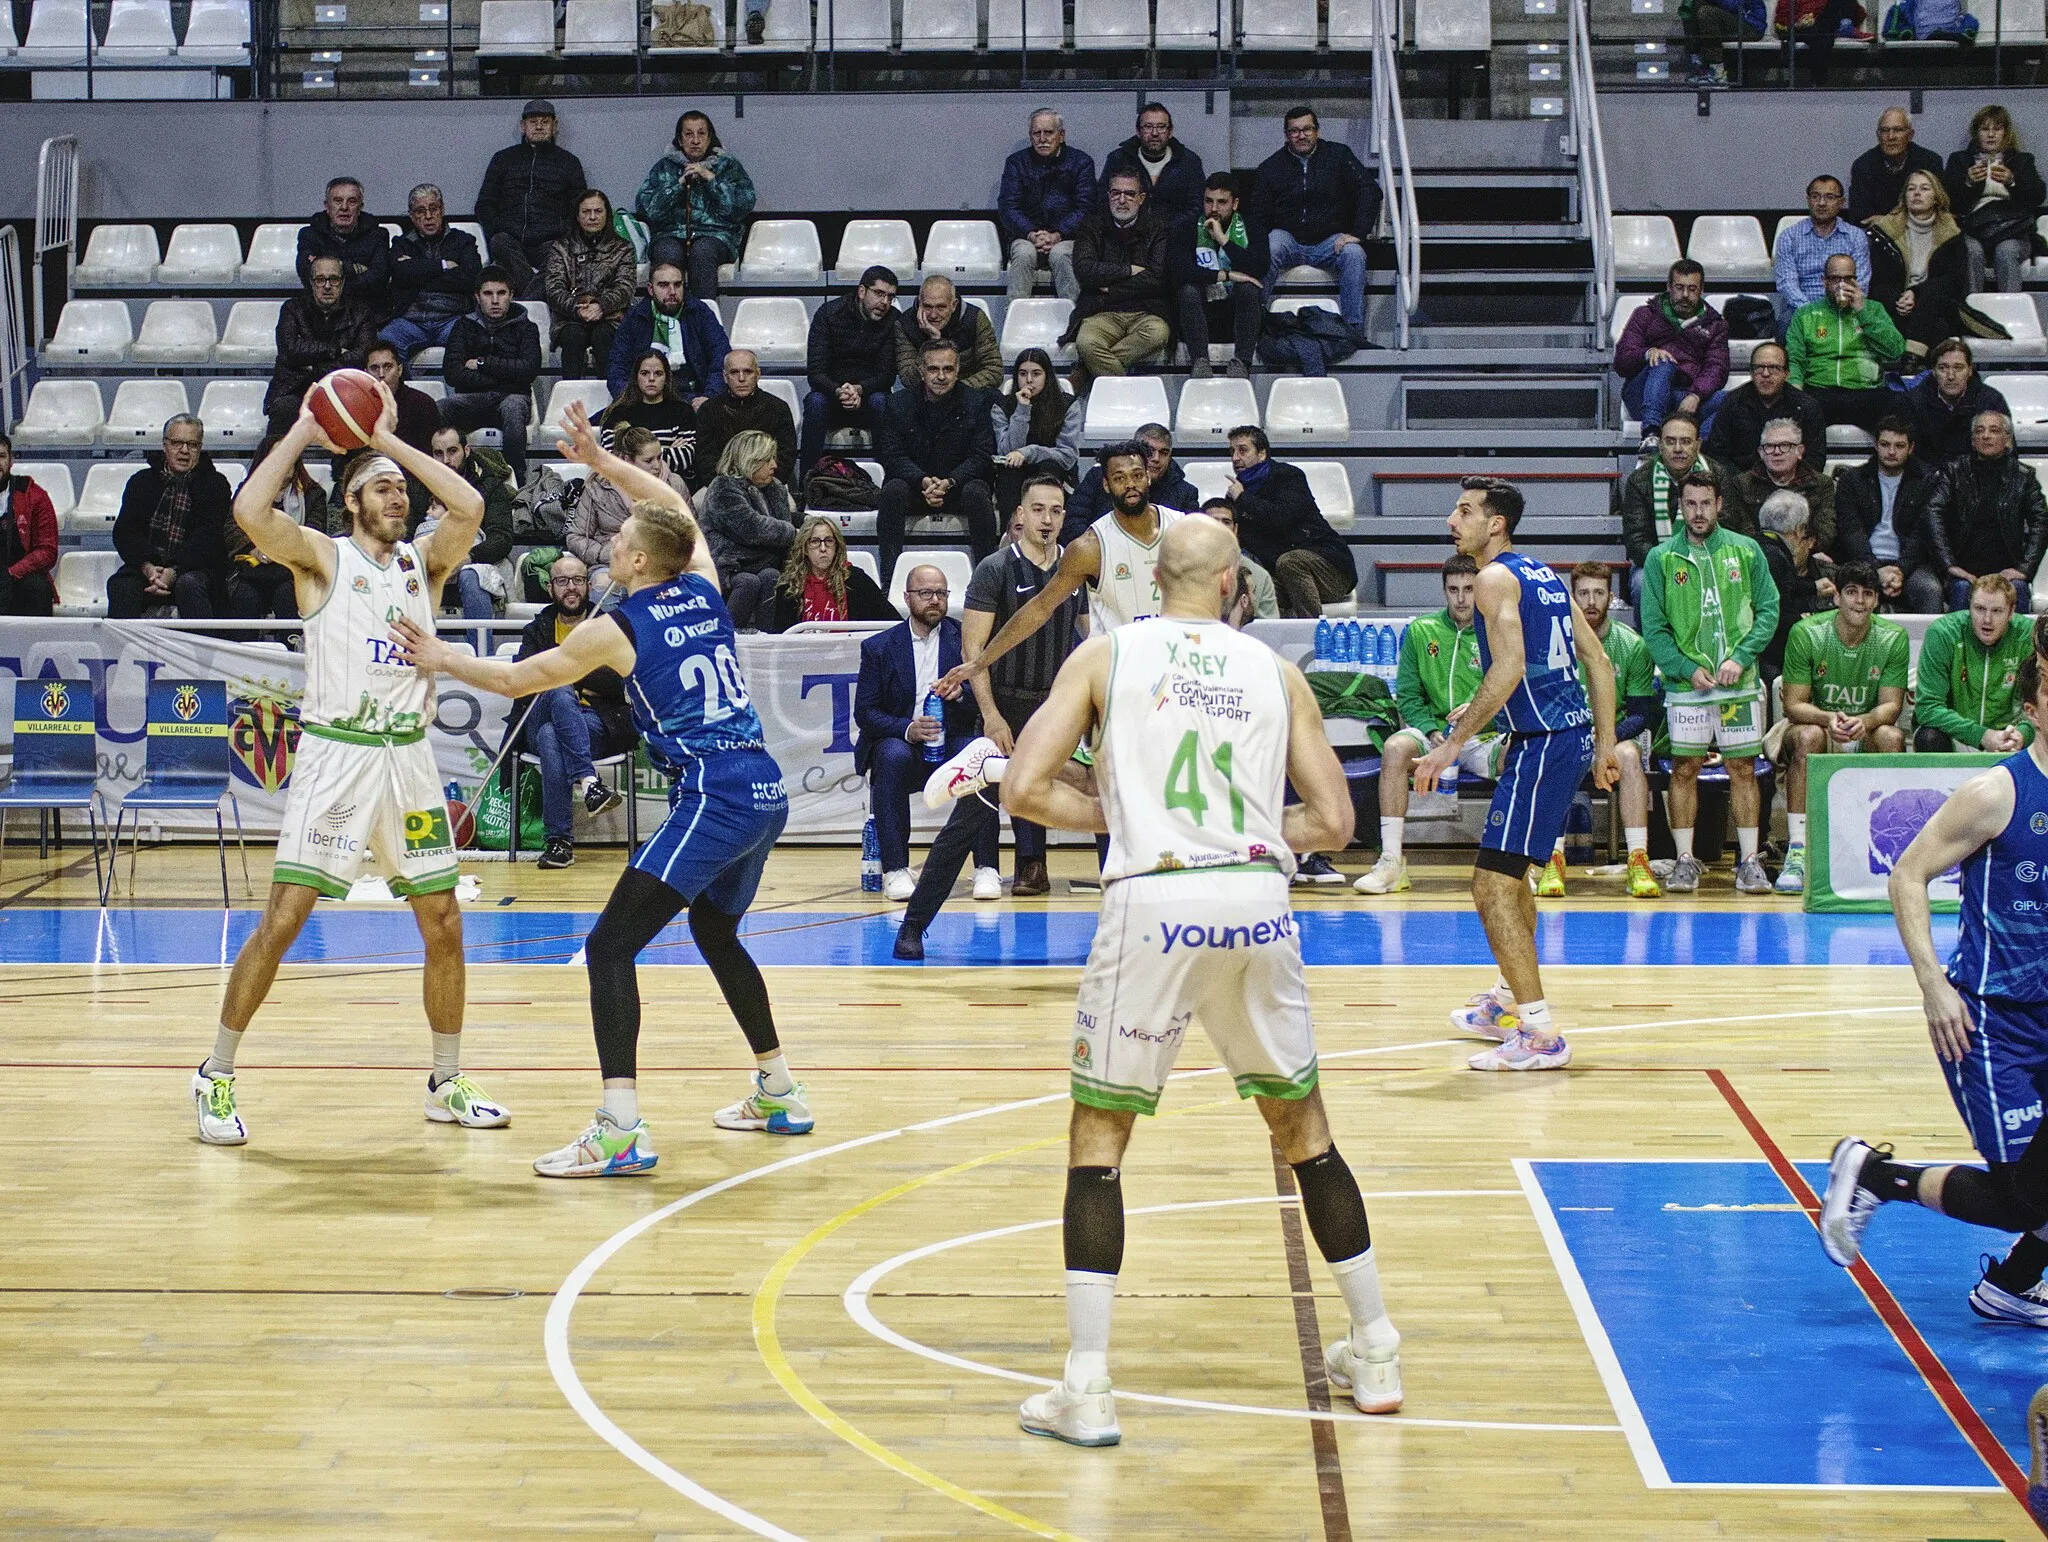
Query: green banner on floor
(1862, 812)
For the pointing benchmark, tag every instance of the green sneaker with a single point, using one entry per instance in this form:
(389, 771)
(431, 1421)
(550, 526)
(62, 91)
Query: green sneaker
(213, 1097)
(1792, 876)
(461, 1101)
(771, 1113)
(606, 1149)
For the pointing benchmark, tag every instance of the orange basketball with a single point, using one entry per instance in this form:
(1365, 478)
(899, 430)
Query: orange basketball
(346, 405)
(461, 824)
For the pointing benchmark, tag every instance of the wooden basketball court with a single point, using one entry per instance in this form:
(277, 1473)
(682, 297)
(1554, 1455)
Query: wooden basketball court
(1617, 1321)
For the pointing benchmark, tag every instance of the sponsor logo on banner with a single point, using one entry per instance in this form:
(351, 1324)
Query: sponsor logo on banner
(264, 736)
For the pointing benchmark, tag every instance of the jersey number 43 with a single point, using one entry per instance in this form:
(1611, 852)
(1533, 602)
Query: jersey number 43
(1560, 643)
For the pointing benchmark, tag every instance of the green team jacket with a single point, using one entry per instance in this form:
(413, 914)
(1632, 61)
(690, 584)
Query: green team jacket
(1438, 671)
(1703, 605)
(1966, 688)
(1827, 347)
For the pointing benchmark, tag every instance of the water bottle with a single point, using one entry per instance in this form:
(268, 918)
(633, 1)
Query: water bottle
(1390, 646)
(870, 860)
(1323, 640)
(934, 708)
(1354, 643)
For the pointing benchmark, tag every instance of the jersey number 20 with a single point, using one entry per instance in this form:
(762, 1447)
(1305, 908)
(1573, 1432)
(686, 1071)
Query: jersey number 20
(719, 678)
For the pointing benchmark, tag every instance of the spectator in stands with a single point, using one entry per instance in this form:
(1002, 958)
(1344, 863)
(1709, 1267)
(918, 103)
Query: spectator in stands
(587, 277)
(418, 413)
(1987, 515)
(320, 330)
(1963, 698)
(1946, 402)
(747, 518)
(1048, 188)
(1839, 346)
(1038, 431)
(483, 583)
(1673, 354)
(686, 332)
(1785, 534)
(1170, 487)
(1169, 172)
(1279, 525)
(257, 587)
(897, 671)
(529, 198)
(1648, 499)
(1997, 196)
(653, 406)
(1219, 264)
(1782, 466)
(743, 407)
(696, 200)
(1736, 438)
(819, 584)
(571, 727)
(1878, 176)
(1120, 258)
(1320, 202)
(850, 362)
(493, 360)
(171, 531)
(1804, 248)
(343, 230)
(434, 273)
(28, 542)
(1919, 268)
(941, 313)
(602, 508)
(936, 447)
(1881, 518)
(1257, 599)
(1639, 713)
(1709, 26)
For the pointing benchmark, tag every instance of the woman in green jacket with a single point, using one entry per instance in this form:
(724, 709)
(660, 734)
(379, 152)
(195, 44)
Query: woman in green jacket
(696, 200)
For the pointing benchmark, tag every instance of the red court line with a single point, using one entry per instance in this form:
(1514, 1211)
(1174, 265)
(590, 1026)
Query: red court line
(1886, 1305)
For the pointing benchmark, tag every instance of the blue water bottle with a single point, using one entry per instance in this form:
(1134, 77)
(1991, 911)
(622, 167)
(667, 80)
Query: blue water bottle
(1354, 643)
(1390, 647)
(935, 708)
(870, 860)
(1322, 640)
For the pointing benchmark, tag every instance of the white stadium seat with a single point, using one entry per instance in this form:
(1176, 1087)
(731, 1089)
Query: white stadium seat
(1119, 404)
(1281, 24)
(57, 33)
(1191, 25)
(1036, 24)
(100, 499)
(54, 478)
(868, 242)
(91, 332)
(543, 320)
(250, 337)
(1351, 25)
(785, 388)
(969, 249)
(2026, 395)
(778, 330)
(2016, 313)
(217, 33)
(1300, 410)
(1209, 478)
(475, 232)
(234, 472)
(1210, 409)
(934, 25)
(1290, 303)
(783, 251)
(1301, 275)
(82, 581)
(201, 254)
(865, 561)
(1453, 26)
(140, 410)
(788, 29)
(438, 389)
(61, 412)
(600, 27)
(273, 260)
(1037, 324)
(1330, 484)
(954, 564)
(1730, 247)
(232, 411)
(1645, 245)
(517, 27)
(864, 26)
(119, 255)
(1121, 24)
(595, 396)
(176, 332)
(1625, 306)
(138, 31)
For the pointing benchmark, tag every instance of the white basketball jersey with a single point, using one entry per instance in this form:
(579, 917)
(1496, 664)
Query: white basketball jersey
(1125, 590)
(1192, 763)
(352, 681)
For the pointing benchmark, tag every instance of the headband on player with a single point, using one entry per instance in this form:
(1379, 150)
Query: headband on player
(372, 468)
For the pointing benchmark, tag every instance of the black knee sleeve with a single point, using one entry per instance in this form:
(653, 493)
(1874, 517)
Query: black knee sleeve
(1990, 1198)
(1094, 1223)
(717, 936)
(1333, 1205)
(639, 908)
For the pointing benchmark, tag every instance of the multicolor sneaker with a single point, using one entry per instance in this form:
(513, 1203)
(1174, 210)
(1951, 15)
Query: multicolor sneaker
(461, 1101)
(1551, 884)
(1389, 875)
(1792, 876)
(607, 1149)
(1642, 883)
(1486, 1016)
(1995, 1303)
(213, 1097)
(1373, 1379)
(772, 1113)
(1519, 1052)
(1079, 1418)
(1847, 1206)
(962, 776)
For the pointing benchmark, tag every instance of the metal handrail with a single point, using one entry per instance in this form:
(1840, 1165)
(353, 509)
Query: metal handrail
(1583, 140)
(13, 344)
(56, 217)
(1397, 175)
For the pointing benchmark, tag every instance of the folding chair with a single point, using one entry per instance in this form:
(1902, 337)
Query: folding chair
(56, 762)
(186, 764)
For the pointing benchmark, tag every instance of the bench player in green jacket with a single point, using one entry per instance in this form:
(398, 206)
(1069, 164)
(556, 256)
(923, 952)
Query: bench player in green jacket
(1639, 705)
(1969, 661)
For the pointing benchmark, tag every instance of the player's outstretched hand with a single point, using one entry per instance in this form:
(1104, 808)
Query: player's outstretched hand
(311, 424)
(418, 647)
(954, 681)
(581, 446)
(1606, 768)
(1430, 769)
(387, 415)
(1948, 1021)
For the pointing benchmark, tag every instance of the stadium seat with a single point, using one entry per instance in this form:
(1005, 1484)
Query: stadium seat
(138, 32)
(777, 330)
(543, 320)
(438, 389)
(273, 260)
(1330, 483)
(783, 252)
(931, 26)
(232, 411)
(1119, 404)
(176, 332)
(100, 499)
(1209, 478)
(1118, 24)
(1192, 25)
(91, 332)
(600, 27)
(58, 31)
(1625, 306)
(963, 249)
(785, 388)
(1037, 25)
(250, 336)
(595, 396)
(788, 29)
(201, 254)
(1037, 324)
(61, 412)
(1645, 245)
(82, 581)
(2016, 313)
(1300, 410)
(1351, 25)
(1730, 247)
(236, 472)
(516, 28)
(140, 410)
(54, 478)
(1301, 275)
(956, 565)
(1280, 24)
(1210, 409)
(858, 26)
(1453, 26)
(117, 255)
(216, 33)
(867, 242)
(2026, 395)
(865, 561)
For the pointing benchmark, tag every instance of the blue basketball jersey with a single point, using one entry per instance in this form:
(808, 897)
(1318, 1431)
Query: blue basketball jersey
(689, 699)
(1550, 697)
(2003, 947)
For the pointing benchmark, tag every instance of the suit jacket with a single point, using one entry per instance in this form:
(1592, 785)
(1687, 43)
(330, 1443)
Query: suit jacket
(885, 700)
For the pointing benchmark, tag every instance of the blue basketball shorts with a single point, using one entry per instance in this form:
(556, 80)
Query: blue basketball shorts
(1998, 1086)
(1539, 777)
(724, 817)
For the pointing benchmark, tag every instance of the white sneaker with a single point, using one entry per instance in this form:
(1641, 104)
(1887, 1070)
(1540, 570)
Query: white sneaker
(606, 1149)
(461, 1101)
(899, 885)
(1079, 1418)
(771, 1113)
(1373, 1379)
(988, 884)
(1846, 1206)
(1486, 1016)
(213, 1098)
(1389, 875)
(962, 776)
(1517, 1052)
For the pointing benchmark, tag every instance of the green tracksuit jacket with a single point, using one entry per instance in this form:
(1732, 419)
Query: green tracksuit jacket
(1966, 688)
(1704, 605)
(1438, 671)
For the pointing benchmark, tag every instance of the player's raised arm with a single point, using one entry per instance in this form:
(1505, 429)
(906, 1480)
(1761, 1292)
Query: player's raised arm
(1596, 669)
(1977, 812)
(1324, 818)
(271, 531)
(639, 486)
(1031, 786)
(1078, 563)
(1497, 595)
(446, 548)
(599, 644)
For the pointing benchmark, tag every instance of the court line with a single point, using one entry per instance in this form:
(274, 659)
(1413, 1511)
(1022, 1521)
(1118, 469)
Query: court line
(1308, 1336)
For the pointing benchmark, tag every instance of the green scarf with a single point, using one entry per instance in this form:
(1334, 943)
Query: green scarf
(1664, 495)
(1234, 236)
(668, 333)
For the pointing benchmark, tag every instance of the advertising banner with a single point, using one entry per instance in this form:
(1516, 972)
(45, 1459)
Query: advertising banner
(1863, 812)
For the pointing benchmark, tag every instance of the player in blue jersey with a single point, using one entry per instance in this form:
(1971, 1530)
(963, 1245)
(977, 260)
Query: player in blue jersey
(1988, 1017)
(672, 641)
(1530, 634)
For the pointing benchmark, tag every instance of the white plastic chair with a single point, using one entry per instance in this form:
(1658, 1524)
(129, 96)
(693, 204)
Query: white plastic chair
(233, 472)
(1730, 247)
(963, 249)
(516, 28)
(273, 260)
(1185, 26)
(1645, 245)
(788, 29)
(783, 251)
(232, 411)
(1209, 479)
(1625, 306)
(438, 389)
(931, 26)
(176, 332)
(777, 330)
(954, 564)
(138, 32)
(601, 27)
(1210, 409)
(1119, 405)
(82, 581)
(250, 337)
(2016, 313)
(868, 242)
(62, 412)
(1288, 304)
(595, 396)
(2026, 395)
(865, 561)
(217, 32)
(1117, 24)
(118, 254)
(1330, 484)
(201, 254)
(1453, 26)
(1039, 25)
(140, 410)
(784, 388)
(99, 501)
(54, 478)
(1351, 26)
(543, 321)
(91, 332)
(1281, 24)
(1037, 324)
(1304, 410)
(57, 33)
(859, 26)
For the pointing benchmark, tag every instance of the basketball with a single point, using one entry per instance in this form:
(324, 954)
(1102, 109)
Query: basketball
(461, 824)
(346, 406)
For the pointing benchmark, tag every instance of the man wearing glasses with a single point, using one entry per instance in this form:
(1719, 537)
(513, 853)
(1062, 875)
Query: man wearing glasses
(434, 275)
(1741, 414)
(171, 532)
(323, 329)
(1320, 202)
(1801, 258)
(571, 725)
(1781, 466)
(1120, 262)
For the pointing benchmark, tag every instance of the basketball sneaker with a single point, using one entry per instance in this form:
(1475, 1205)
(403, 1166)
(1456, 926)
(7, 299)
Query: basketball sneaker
(1316, 868)
(2037, 1447)
(1750, 877)
(213, 1097)
(1642, 883)
(1389, 875)
(1551, 884)
(1847, 1206)
(607, 1149)
(1487, 1016)
(771, 1113)
(1686, 874)
(1792, 876)
(1079, 1418)
(962, 776)
(1373, 1379)
(1518, 1052)
(461, 1101)
(1995, 1303)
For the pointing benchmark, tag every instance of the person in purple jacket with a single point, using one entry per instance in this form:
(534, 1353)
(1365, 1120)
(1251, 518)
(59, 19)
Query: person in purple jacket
(1673, 354)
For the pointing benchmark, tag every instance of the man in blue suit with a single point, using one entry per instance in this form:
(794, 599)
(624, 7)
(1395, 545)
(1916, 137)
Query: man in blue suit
(897, 670)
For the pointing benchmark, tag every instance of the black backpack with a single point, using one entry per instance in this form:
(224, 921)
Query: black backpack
(1750, 319)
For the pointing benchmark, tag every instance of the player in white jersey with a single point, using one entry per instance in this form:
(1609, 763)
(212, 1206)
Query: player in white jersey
(363, 779)
(1201, 729)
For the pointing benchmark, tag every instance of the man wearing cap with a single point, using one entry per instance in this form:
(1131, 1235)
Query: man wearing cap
(529, 198)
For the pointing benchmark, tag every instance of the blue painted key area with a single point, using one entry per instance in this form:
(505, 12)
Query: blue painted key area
(1753, 1360)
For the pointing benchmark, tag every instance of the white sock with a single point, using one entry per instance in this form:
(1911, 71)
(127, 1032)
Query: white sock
(1745, 841)
(775, 1076)
(1503, 992)
(1359, 1279)
(447, 1057)
(584, 784)
(1090, 1297)
(1681, 842)
(221, 1062)
(1638, 837)
(1559, 852)
(1795, 829)
(1535, 1016)
(993, 768)
(623, 1104)
(1391, 826)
